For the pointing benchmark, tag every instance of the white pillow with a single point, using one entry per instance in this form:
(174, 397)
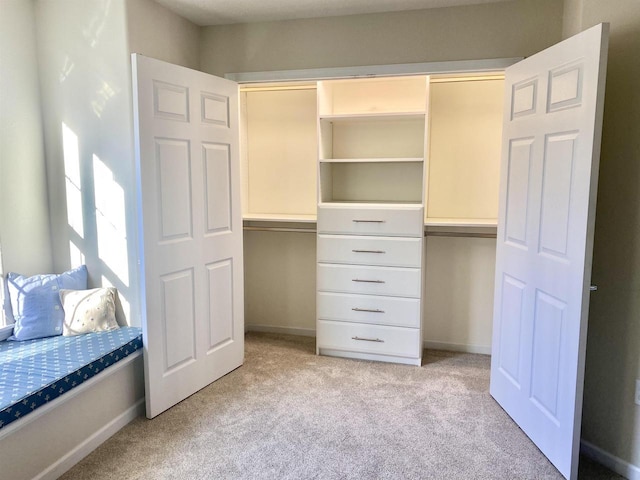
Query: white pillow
(87, 311)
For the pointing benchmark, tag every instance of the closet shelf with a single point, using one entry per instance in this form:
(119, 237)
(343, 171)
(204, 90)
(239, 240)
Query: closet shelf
(373, 117)
(368, 204)
(461, 222)
(279, 217)
(373, 160)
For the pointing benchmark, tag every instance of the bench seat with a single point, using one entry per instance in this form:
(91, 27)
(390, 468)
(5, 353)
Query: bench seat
(35, 372)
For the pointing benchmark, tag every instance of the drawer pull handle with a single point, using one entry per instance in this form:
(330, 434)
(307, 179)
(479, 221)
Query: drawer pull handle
(367, 310)
(368, 221)
(367, 281)
(368, 251)
(367, 339)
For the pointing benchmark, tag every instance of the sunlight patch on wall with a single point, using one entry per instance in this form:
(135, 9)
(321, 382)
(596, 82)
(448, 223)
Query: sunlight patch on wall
(110, 221)
(73, 183)
(103, 95)
(93, 31)
(67, 68)
(76, 257)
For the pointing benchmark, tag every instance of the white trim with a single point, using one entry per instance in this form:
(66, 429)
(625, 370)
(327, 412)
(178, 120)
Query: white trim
(459, 66)
(65, 463)
(458, 347)
(621, 467)
(65, 397)
(301, 332)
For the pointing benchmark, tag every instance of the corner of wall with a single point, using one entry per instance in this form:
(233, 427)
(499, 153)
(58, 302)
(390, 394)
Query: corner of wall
(24, 222)
(572, 17)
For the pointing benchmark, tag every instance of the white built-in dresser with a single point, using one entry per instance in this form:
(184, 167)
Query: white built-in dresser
(370, 252)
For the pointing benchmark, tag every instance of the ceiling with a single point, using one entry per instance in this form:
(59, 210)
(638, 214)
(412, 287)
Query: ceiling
(222, 12)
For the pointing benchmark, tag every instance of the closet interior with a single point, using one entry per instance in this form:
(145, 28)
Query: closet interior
(379, 176)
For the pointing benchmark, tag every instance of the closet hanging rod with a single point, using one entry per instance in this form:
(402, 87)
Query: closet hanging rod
(313, 230)
(280, 229)
(460, 234)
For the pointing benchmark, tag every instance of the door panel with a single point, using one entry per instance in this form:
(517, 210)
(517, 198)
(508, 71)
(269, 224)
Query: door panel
(178, 322)
(217, 167)
(190, 228)
(551, 139)
(221, 329)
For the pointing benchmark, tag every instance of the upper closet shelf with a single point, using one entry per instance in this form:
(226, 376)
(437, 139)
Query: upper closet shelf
(373, 160)
(372, 117)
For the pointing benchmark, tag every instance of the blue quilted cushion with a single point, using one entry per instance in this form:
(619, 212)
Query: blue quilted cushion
(35, 302)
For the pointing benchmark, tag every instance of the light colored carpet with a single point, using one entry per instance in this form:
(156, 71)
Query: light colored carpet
(288, 414)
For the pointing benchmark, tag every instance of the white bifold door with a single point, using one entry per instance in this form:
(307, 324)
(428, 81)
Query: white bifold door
(550, 157)
(190, 228)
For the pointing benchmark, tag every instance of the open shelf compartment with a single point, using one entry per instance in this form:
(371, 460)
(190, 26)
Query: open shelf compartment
(366, 182)
(373, 95)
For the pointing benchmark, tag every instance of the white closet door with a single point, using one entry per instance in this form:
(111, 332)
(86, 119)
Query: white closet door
(551, 147)
(186, 129)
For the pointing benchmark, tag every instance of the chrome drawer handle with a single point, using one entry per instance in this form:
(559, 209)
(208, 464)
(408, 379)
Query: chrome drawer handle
(368, 221)
(368, 251)
(367, 310)
(367, 281)
(367, 339)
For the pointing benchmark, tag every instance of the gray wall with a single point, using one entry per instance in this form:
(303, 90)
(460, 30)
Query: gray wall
(159, 33)
(495, 30)
(24, 219)
(611, 420)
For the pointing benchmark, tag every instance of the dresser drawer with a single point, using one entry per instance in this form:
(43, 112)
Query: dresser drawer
(393, 281)
(364, 338)
(405, 221)
(374, 309)
(364, 250)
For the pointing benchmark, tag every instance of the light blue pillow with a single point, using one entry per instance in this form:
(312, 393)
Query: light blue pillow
(35, 302)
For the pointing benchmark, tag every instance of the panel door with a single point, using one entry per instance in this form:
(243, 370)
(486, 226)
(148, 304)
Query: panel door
(190, 228)
(551, 146)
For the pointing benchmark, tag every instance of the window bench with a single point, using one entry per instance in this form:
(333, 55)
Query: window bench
(60, 397)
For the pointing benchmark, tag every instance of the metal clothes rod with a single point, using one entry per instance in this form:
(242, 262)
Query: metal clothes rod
(280, 229)
(426, 234)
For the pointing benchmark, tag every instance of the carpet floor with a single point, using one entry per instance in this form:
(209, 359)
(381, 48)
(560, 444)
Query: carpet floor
(289, 414)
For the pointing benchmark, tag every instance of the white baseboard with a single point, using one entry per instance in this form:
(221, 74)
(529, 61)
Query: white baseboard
(621, 467)
(303, 332)
(60, 466)
(310, 332)
(457, 347)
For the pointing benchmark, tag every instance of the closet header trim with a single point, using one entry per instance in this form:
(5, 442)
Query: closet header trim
(458, 66)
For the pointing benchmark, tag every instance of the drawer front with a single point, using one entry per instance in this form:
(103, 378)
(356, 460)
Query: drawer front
(392, 281)
(377, 339)
(401, 221)
(363, 250)
(374, 309)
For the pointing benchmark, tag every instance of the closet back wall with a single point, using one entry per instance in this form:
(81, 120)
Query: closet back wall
(504, 29)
